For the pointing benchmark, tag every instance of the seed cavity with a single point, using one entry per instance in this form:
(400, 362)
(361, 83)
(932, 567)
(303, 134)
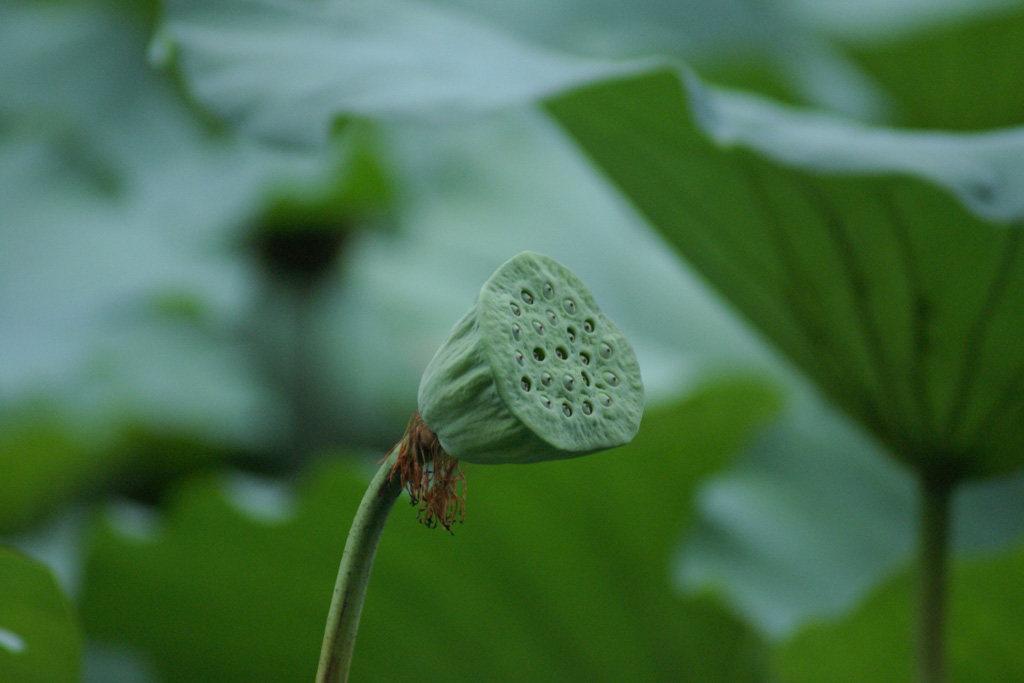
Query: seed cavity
(517, 333)
(538, 353)
(561, 353)
(569, 383)
(587, 408)
(611, 379)
(570, 306)
(546, 379)
(525, 383)
(571, 332)
(515, 309)
(539, 326)
(585, 376)
(545, 401)
(566, 410)
(527, 297)
(552, 317)
(549, 291)
(605, 350)
(519, 357)
(605, 399)
(584, 357)
(588, 325)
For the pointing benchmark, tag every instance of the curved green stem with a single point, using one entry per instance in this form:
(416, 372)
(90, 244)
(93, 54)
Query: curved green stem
(354, 573)
(936, 498)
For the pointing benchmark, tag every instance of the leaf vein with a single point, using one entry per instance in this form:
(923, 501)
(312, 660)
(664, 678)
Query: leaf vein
(979, 330)
(868, 330)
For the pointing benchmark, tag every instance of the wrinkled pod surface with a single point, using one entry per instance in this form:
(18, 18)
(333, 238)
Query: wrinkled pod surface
(533, 371)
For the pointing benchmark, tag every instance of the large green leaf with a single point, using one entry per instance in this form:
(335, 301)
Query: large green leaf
(287, 70)
(909, 326)
(747, 43)
(814, 514)
(39, 639)
(558, 572)
(880, 261)
(804, 526)
(902, 304)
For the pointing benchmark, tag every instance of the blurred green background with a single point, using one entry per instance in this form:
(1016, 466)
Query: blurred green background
(233, 232)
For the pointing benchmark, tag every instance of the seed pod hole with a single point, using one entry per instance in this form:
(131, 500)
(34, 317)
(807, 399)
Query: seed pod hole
(561, 352)
(546, 379)
(584, 357)
(545, 401)
(519, 357)
(605, 350)
(587, 408)
(525, 383)
(570, 306)
(517, 333)
(605, 399)
(549, 291)
(588, 325)
(538, 353)
(539, 326)
(515, 309)
(526, 296)
(571, 333)
(552, 317)
(569, 383)
(566, 410)
(611, 379)
(585, 377)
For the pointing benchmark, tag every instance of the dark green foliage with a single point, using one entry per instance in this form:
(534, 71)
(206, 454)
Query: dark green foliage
(39, 640)
(953, 76)
(537, 584)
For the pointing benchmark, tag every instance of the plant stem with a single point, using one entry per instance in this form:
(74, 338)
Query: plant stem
(354, 573)
(936, 499)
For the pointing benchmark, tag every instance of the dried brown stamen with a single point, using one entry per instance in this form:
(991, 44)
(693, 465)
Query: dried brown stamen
(430, 475)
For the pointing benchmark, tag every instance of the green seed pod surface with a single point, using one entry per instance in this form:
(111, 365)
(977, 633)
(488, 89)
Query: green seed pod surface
(533, 371)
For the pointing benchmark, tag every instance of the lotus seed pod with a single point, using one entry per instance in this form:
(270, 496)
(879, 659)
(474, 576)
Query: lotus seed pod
(533, 371)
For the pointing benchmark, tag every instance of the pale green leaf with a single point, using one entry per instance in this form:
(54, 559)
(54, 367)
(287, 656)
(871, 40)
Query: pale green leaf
(814, 514)
(803, 527)
(287, 70)
(875, 642)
